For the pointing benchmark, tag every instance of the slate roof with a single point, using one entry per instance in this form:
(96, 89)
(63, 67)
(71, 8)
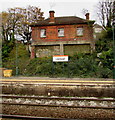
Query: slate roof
(69, 20)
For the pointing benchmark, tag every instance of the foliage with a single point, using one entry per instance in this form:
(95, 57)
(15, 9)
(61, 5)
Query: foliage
(21, 60)
(6, 49)
(106, 59)
(83, 66)
(105, 41)
(104, 49)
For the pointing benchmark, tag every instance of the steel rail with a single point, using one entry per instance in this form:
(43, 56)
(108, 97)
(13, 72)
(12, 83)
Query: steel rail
(58, 98)
(67, 106)
(52, 81)
(32, 117)
(57, 80)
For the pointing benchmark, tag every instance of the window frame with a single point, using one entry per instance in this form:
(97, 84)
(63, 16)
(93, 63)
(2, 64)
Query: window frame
(61, 34)
(43, 33)
(79, 29)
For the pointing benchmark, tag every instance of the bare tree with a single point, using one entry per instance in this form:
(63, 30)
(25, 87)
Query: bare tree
(105, 12)
(17, 21)
(30, 15)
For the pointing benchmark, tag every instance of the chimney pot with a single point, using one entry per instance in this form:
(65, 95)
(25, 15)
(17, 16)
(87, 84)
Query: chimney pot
(87, 16)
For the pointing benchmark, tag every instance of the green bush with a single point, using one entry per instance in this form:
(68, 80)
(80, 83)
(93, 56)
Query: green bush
(80, 65)
(22, 59)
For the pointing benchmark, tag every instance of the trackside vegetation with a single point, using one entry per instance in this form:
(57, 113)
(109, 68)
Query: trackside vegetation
(77, 66)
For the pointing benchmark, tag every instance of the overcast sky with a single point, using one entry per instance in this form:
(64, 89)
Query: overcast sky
(61, 7)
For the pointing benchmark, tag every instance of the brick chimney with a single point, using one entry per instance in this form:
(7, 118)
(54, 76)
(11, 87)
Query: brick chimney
(52, 19)
(87, 16)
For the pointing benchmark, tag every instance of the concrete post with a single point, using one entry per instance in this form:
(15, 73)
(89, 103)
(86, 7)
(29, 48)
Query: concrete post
(61, 49)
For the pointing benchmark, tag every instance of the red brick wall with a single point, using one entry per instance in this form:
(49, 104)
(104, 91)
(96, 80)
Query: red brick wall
(69, 33)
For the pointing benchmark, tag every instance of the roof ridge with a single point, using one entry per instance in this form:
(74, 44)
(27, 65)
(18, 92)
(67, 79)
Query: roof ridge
(67, 17)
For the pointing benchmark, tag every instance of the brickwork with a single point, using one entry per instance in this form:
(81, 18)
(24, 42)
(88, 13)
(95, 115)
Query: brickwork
(69, 33)
(70, 42)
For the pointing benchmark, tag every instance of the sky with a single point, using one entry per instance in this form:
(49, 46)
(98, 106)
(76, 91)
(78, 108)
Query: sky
(61, 7)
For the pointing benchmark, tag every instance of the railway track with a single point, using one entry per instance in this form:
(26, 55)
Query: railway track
(57, 108)
(50, 107)
(70, 102)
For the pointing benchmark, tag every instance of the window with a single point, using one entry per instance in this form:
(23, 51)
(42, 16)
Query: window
(80, 31)
(60, 32)
(43, 33)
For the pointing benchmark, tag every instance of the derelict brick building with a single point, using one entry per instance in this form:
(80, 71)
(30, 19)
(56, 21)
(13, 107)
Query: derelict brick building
(62, 35)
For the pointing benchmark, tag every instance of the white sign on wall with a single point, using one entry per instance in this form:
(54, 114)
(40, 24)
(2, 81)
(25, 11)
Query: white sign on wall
(60, 58)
